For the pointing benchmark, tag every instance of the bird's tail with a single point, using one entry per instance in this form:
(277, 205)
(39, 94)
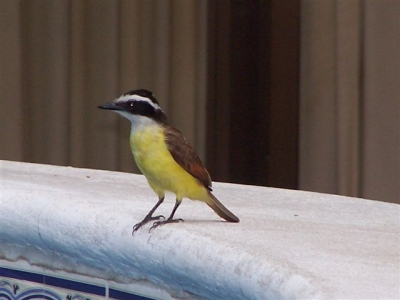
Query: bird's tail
(220, 209)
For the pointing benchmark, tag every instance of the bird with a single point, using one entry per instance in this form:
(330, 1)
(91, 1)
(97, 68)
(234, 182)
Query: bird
(164, 157)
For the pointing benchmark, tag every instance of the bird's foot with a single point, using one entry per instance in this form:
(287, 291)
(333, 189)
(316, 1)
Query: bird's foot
(159, 223)
(146, 220)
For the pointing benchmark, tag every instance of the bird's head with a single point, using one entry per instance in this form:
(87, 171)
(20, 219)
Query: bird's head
(137, 106)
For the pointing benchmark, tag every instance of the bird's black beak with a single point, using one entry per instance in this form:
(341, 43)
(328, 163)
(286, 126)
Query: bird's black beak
(109, 106)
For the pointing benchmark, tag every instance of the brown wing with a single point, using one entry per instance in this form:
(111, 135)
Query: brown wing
(185, 155)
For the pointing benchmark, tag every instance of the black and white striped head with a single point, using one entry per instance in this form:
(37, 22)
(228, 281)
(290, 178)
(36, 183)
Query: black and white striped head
(137, 105)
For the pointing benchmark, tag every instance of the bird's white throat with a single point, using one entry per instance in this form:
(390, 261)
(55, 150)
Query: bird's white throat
(138, 122)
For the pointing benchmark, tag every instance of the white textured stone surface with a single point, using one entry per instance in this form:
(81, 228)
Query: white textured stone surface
(289, 244)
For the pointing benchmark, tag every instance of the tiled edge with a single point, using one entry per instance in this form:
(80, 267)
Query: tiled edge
(18, 284)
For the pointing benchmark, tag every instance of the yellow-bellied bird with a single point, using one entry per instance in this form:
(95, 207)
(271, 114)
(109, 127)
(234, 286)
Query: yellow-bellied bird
(165, 157)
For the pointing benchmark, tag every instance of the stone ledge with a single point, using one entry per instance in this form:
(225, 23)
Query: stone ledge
(289, 244)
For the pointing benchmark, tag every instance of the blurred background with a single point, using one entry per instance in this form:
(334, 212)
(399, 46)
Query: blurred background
(300, 94)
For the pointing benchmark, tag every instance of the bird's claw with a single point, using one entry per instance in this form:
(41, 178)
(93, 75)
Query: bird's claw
(159, 223)
(137, 226)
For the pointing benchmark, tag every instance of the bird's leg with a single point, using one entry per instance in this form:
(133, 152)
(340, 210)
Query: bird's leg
(149, 217)
(170, 218)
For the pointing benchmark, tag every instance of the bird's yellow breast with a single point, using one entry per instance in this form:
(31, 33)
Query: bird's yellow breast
(154, 160)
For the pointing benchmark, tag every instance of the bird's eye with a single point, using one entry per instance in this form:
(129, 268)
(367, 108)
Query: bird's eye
(131, 104)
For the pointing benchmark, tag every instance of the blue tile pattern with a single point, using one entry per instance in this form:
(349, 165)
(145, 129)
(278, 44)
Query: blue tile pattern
(24, 285)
